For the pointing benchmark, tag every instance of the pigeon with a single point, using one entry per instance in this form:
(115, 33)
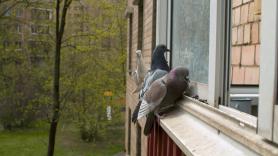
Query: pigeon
(162, 95)
(159, 68)
(158, 58)
(140, 72)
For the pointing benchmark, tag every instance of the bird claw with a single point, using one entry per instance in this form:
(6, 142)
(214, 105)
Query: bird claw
(160, 116)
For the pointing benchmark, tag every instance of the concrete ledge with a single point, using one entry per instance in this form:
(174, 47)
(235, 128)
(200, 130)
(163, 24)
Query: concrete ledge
(199, 129)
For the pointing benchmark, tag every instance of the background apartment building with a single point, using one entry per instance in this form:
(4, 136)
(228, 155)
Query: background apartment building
(31, 28)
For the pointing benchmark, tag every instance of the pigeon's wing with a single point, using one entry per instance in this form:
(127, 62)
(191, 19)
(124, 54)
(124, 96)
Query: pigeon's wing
(150, 78)
(152, 98)
(146, 84)
(135, 112)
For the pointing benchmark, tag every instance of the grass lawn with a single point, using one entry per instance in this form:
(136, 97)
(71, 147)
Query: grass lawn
(34, 143)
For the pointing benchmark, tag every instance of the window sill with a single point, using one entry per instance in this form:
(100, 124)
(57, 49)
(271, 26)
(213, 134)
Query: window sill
(199, 129)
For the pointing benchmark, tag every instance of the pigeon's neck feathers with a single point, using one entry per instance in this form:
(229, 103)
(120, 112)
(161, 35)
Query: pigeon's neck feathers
(159, 62)
(172, 74)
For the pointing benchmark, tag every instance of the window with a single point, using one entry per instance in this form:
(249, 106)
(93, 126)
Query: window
(243, 54)
(130, 31)
(34, 29)
(7, 11)
(129, 132)
(190, 37)
(19, 12)
(154, 25)
(6, 44)
(39, 29)
(138, 140)
(129, 15)
(106, 42)
(140, 25)
(18, 28)
(41, 14)
(189, 40)
(6, 27)
(18, 44)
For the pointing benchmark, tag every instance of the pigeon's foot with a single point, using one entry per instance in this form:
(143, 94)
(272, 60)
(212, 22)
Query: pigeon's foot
(160, 116)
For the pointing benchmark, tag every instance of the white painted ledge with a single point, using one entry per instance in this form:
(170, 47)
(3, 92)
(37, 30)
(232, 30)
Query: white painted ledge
(201, 130)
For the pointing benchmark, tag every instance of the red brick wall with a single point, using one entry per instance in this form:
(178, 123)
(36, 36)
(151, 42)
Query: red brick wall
(245, 43)
(132, 99)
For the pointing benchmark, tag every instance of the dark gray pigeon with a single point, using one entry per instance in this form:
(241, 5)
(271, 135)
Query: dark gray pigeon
(159, 68)
(158, 58)
(162, 95)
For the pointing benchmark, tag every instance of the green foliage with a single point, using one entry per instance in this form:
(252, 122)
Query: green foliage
(92, 65)
(92, 61)
(33, 142)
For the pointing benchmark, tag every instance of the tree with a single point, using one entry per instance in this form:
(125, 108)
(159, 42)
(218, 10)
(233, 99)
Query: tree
(21, 82)
(91, 46)
(94, 62)
(60, 27)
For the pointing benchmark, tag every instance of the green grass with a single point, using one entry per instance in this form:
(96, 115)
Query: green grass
(34, 143)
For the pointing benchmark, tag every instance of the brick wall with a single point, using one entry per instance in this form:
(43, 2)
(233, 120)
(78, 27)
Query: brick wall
(132, 99)
(245, 43)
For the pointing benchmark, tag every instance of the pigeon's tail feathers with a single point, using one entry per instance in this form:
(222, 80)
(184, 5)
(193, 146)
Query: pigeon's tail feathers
(144, 109)
(135, 112)
(149, 124)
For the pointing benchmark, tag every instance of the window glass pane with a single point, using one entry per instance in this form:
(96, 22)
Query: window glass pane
(244, 56)
(190, 37)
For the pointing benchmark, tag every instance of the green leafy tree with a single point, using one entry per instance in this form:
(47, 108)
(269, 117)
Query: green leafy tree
(21, 82)
(96, 64)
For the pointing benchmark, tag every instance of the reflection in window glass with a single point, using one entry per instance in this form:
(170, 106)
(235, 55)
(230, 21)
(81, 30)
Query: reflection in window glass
(244, 57)
(190, 37)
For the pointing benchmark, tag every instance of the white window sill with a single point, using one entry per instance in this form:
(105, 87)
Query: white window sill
(199, 129)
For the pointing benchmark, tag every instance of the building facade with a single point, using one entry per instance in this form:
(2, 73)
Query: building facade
(232, 65)
(31, 29)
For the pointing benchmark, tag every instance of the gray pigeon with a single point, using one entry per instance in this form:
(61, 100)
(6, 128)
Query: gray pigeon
(140, 72)
(162, 95)
(149, 79)
(159, 68)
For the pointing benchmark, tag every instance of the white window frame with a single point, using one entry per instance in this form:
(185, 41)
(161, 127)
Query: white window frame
(267, 109)
(216, 52)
